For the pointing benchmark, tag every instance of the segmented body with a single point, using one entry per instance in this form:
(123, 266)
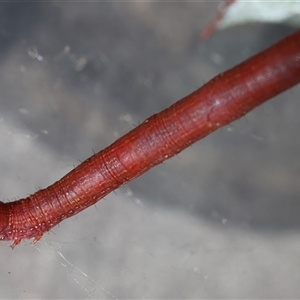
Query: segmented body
(222, 100)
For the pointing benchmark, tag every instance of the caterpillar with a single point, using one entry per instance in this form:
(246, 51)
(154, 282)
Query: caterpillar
(220, 101)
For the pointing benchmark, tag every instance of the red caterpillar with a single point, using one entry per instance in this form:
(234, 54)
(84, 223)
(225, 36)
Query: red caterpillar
(222, 100)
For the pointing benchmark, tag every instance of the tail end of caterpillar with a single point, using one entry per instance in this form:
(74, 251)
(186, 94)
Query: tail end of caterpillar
(4, 221)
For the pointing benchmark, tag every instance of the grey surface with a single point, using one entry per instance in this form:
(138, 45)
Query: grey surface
(221, 220)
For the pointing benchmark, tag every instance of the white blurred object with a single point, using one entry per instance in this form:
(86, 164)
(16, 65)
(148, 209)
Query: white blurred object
(231, 13)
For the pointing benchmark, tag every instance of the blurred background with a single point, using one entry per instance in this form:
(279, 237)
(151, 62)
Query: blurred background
(220, 220)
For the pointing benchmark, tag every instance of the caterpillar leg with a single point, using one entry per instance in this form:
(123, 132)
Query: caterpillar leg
(15, 243)
(37, 238)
